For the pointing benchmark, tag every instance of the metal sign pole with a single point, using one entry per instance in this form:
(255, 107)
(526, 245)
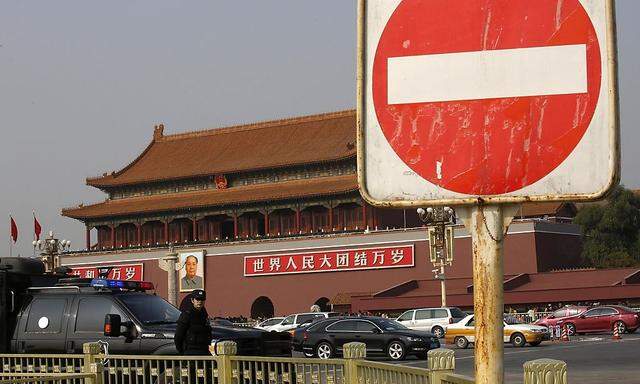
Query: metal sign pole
(487, 225)
(443, 286)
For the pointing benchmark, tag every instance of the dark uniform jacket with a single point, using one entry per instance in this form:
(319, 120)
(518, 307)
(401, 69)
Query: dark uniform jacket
(193, 334)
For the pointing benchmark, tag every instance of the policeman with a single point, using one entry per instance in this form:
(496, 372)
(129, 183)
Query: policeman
(193, 334)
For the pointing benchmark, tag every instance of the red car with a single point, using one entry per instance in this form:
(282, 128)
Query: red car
(559, 315)
(603, 319)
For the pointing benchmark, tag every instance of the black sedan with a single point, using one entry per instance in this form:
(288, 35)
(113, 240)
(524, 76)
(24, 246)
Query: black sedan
(325, 338)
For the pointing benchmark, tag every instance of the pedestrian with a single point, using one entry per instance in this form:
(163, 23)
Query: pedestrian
(531, 315)
(193, 334)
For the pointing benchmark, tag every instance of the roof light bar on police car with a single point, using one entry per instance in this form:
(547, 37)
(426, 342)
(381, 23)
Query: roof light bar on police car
(122, 284)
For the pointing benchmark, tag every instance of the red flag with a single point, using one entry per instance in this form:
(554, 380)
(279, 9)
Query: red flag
(37, 229)
(14, 230)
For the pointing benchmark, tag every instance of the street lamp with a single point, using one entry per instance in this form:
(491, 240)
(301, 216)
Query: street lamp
(50, 250)
(440, 241)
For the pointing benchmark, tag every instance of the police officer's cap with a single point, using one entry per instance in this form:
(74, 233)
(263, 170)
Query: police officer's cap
(199, 294)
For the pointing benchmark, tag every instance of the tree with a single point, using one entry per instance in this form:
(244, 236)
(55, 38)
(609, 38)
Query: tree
(611, 231)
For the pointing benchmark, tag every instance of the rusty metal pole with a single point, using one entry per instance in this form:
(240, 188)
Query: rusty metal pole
(487, 224)
(443, 286)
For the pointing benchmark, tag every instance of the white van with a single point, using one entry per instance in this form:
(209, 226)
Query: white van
(267, 324)
(434, 320)
(292, 322)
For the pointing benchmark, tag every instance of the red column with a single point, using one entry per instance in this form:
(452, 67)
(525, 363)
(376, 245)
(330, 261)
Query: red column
(113, 236)
(374, 217)
(266, 222)
(330, 218)
(166, 231)
(139, 234)
(364, 215)
(195, 229)
(88, 238)
(235, 225)
(298, 219)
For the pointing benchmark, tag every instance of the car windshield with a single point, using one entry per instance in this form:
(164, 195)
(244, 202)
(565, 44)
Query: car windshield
(510, 320)
(456, 312)
(390, 325)
(273, 321)
(151, 309)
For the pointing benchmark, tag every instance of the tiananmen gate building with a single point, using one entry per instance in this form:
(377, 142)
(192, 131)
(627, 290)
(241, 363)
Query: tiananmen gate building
(272, 214)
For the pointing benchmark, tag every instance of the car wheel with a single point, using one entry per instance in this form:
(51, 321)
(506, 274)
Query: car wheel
(438, 331)
(518, 340)
(535, 343)
(324, 350)
(461, 342)
(395, 350)
(571, 329)
(622, 327)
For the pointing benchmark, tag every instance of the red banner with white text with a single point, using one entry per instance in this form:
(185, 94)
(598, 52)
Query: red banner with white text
(330, 261)
(131, 272)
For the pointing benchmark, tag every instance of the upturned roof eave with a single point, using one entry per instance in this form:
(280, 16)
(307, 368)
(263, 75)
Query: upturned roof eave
(110, 183)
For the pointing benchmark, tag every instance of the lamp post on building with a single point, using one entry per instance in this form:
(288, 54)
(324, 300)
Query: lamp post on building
(50, 250)
(440, 241)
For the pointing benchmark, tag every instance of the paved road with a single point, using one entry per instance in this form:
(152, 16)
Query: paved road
(590, 359)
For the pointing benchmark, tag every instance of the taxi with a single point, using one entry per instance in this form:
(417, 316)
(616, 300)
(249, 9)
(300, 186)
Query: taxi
(517, 333)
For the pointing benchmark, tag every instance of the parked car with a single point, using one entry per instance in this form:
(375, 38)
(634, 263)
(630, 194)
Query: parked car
(292, 322)
(559, 315)
(603, 319)
(517, 333)
(434, 320)
(269, 323)
(324, 339)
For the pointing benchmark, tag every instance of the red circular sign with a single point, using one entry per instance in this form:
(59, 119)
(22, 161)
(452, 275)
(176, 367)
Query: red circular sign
(493, 145)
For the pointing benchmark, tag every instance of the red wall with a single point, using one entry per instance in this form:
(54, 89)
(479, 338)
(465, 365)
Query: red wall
(230, 293)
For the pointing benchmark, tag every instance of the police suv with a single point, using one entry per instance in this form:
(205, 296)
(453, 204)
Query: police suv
(57, 313)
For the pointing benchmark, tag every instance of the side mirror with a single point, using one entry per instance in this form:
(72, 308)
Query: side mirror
(551, 317)
(377, 331)
(129, 330)
(112, 325)
(582, 316)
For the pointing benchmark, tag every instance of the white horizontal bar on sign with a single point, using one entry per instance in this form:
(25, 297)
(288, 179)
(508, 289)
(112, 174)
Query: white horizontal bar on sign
(554, 70)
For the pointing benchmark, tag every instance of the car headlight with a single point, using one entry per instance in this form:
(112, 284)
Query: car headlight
(539, 330)
(415, 339)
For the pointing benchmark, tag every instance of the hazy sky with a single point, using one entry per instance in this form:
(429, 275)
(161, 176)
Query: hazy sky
(83, 82)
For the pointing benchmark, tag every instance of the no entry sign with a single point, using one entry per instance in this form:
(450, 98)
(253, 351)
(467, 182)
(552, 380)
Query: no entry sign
(506, 100)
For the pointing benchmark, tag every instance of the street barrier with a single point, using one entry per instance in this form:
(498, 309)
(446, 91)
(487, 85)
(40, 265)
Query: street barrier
(95, 367)
(616, 332)
(565, 333)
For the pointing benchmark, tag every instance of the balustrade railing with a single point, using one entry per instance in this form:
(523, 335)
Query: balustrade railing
(225, 367)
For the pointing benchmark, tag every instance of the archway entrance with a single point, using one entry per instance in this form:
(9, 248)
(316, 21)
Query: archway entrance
(323, 303)
(262, 308)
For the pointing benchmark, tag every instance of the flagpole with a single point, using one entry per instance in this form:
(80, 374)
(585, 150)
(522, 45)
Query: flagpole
(10, 239)
(34, 232)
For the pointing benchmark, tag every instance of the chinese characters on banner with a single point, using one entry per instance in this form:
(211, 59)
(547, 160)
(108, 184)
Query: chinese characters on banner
(133, 272)
(330, 261)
